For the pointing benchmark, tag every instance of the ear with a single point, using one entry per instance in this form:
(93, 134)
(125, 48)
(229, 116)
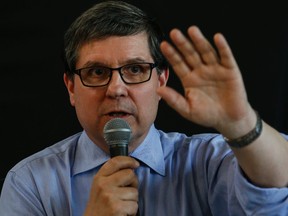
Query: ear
(69, 83)
(163, 78)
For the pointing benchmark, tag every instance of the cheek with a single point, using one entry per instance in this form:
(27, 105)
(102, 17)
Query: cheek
(148, 102)
(87, 107)
(74, 89)
(84, 99)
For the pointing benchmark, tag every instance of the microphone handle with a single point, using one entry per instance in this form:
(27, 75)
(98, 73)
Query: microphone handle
(116, 150)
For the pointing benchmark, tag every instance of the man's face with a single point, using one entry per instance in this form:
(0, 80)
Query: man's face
(135, 103)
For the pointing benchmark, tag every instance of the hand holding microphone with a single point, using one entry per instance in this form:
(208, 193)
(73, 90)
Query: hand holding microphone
(114, 189)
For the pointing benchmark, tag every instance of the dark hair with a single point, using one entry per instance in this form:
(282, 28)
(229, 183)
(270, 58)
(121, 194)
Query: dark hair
(111, 18)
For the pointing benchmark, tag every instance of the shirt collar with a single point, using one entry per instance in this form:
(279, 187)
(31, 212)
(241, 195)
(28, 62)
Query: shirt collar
(88, 155)
(150, 152)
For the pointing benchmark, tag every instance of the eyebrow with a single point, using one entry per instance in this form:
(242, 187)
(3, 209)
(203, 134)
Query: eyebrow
(102, 64)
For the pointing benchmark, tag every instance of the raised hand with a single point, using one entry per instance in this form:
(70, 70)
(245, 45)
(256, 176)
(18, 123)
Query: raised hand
(214, 90)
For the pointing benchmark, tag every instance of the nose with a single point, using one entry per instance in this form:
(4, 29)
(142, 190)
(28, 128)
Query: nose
(116, 86)
(116, 76)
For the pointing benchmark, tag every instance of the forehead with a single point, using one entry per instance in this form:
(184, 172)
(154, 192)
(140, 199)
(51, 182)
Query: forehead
(115, 50)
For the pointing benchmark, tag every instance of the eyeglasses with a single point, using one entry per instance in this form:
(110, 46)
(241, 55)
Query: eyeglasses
(97, 76)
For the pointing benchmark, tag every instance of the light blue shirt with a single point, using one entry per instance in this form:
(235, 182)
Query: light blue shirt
(178, 176)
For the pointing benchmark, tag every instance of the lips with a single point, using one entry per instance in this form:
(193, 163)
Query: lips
(117, 114)
(121, 110)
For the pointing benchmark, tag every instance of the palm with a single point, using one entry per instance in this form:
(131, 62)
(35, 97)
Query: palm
(213, 87)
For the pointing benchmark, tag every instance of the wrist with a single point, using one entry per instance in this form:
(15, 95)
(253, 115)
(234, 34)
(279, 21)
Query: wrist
(248, 138)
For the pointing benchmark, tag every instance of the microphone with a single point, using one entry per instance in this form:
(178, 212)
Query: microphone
(117, 134)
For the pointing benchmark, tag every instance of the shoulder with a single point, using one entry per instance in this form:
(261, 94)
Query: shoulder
(59, 151)
(184, 140)
(203, 145)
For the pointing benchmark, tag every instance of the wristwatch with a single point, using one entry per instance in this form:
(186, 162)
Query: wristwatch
(247, 138)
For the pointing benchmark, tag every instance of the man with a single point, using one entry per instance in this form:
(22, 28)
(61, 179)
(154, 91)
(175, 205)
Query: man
(115, 68)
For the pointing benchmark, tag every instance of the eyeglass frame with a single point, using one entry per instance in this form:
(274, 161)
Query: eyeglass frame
(152, 66)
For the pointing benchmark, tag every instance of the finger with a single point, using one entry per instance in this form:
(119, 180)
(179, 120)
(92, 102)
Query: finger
(203, 46)
(117, 184)
(125, 177)
(174, 100)
(186, 48)
(224, 50)
(132, 208)
(122, 185)
(125, 207)
(175, 59)
(117, 163)
(122, 189)
(127, 193)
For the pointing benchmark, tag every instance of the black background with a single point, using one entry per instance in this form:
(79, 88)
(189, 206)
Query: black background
(35, 110)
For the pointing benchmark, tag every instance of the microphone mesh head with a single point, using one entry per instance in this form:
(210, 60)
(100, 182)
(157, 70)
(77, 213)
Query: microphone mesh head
(117, 132)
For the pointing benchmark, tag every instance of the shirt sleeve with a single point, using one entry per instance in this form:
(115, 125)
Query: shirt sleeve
(257, 200)
(230, 192)
(17, 198)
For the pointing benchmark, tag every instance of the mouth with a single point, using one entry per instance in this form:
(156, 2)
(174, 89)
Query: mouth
(118, 114)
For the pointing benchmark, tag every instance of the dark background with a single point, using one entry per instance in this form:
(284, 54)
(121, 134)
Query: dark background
(35, 110)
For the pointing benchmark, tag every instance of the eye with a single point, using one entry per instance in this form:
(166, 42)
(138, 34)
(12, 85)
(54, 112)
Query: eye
(134, 69)
(96, 71)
